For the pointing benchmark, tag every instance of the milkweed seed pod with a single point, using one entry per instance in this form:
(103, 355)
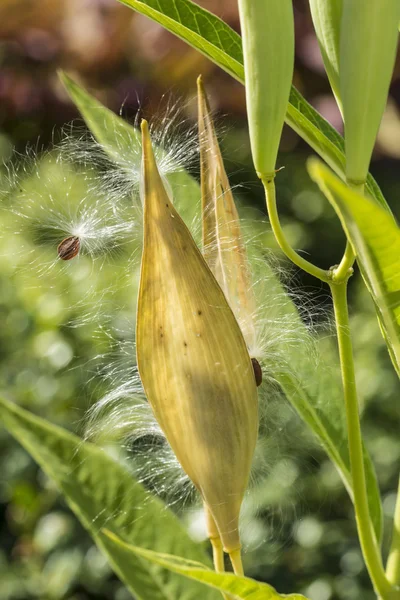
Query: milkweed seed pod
(223, 247)
(368, 42)
(268, 51)
(193, 360)
(326, 16)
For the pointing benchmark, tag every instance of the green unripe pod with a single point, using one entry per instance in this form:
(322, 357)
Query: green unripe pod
(268, 50)
(368, 42)
(326, 16)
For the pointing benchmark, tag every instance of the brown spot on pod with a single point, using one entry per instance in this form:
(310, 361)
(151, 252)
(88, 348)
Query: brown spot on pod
(69, 248)
(257, 371)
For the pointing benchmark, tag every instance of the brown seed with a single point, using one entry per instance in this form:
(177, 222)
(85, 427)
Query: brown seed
(257, 371)
(69, 247)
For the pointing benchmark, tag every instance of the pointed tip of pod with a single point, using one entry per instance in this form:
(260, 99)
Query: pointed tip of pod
(151, 177)
(200, 84)
(202, 102)
(147, 148)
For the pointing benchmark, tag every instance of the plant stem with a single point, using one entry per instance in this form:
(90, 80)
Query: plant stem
(342, 271)
(302, 263)
(345, 268)
(366, 534)
(236, 560)
(218, 559)
(218, 555)
(217, 548)
(393, 563)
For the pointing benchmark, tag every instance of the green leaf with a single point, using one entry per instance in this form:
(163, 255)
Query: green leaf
(119, 140)
(122, 143)
(103, 493)
(310, 380)
(216, 40)
(238, 587)
(375, 238)
(323, 411)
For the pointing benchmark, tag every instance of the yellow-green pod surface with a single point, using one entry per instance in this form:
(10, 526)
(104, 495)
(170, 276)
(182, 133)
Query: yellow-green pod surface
(268, 50)
(193, 360)
(223, 245)
(326, 16)
(368, 42)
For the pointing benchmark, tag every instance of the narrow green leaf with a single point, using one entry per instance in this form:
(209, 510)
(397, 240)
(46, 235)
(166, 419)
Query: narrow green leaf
(216, 40)
(326, 420)
(375, 238)
(119, 140)
(122, 143)
(103, 493)
(311, 383)
(238, 587)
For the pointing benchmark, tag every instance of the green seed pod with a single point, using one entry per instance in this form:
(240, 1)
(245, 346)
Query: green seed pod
(193, 360)
(268, 51)
(326, 16)
(368, 42)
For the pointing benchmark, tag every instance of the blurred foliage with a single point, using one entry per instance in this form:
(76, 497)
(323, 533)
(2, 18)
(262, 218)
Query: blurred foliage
(298, 523)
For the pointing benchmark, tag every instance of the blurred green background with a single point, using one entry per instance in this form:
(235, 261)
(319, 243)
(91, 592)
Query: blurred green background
(55, 338)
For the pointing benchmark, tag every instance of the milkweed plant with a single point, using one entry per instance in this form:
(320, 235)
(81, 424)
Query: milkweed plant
(209, 335)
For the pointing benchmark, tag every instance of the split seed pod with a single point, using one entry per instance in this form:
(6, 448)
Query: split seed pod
(268, 51)
(368, 42)
(326, 16)
(193, 360)
(223, 247)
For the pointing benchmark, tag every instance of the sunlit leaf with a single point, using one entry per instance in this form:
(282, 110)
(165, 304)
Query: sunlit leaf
(238, 587)
(221, 44)
(375, 237)
(103, 493)
(323, 411)
(121, 141)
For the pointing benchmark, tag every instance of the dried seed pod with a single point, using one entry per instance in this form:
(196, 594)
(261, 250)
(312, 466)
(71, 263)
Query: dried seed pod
(368, 42)
(69, 248)
(223, 246)
(268, 51)
(326, 16)
(193, 360)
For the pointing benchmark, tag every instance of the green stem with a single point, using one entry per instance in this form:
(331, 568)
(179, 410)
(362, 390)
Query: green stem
(393, 563)
(368, 542)
(302, 263)
(218, 555)
(218, 559)
(345, 268)
(236, 561)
